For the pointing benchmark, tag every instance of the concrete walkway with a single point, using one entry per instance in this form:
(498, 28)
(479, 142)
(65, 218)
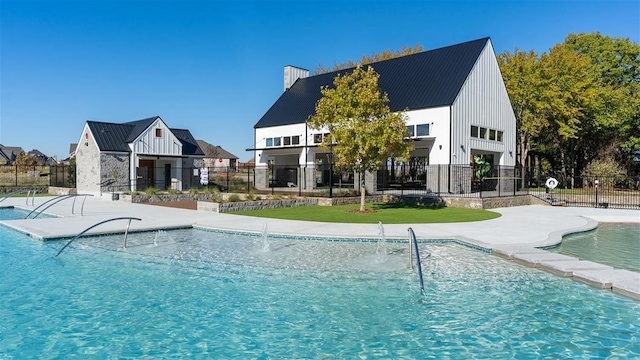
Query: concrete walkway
(515, 235)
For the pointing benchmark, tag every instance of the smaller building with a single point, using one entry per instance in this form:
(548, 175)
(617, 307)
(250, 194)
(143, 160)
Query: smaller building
(134, 156)
(8, 154)
(217, 158)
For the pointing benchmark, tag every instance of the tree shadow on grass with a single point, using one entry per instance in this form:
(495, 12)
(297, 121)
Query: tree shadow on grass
(403, 205)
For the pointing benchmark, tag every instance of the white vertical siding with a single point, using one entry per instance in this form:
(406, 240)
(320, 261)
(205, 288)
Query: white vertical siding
(483, 101)
(149, 143)
(292, 73)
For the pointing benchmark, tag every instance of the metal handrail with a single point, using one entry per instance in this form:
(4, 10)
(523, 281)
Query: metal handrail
(15, 192)
(56, 200)
(126, 232)
(412, 239)
(33, 197)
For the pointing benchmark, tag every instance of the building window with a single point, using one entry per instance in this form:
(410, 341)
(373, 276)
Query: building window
(474, 131)
(286, 140)
(499, 137)
(317, 138)
(492, 134)
(158, 132)
(422, 130)
(269, 142)
(483, 133)
(295, 140)
(411, 130)
(277, 141)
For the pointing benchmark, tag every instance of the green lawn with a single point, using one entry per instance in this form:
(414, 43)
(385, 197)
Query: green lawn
(379, 212)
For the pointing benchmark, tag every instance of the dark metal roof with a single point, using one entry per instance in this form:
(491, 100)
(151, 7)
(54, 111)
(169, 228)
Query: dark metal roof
(116, 137)
(189, 143)
(110, 136)
(139, 127)
(418, 81)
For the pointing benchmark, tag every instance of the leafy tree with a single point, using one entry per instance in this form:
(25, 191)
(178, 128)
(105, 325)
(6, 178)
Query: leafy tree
(616, 62)
(606, 170)
(365, 60)
(24, 159)
(570, 98)
(521, 75)
(363, 132)
(71, 172)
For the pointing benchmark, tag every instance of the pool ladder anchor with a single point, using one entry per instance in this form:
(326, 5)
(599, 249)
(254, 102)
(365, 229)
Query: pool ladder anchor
(126, 232)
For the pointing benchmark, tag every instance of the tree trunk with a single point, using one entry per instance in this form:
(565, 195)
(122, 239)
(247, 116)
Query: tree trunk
(363, 192)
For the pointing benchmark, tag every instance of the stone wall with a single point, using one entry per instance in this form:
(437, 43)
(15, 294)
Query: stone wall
(114, 171)
(144, 198)
(254, 205)
(54, 190)
(87, 164)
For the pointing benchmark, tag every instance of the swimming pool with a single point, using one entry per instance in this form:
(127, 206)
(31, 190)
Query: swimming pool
(614, 244)
(201, 294)
(12, 213)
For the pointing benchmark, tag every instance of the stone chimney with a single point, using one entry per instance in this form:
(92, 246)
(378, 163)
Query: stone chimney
(292, 73)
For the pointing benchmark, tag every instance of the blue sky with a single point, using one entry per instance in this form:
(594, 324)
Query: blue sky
(215, 67)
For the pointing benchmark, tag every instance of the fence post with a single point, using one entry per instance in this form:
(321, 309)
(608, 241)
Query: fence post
(228, 186)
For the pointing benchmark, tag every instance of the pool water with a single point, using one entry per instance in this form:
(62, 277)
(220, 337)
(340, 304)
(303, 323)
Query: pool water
(614, 244)
(202, 294)
(11, 213)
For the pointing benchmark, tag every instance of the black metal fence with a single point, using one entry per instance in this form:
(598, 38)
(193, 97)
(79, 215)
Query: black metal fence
(450, 180)
(401, 179)
(37, 176)
(621, 192)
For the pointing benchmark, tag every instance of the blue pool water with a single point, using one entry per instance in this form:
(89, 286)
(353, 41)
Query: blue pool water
(200, 294)
(11, 213)
(614, 244)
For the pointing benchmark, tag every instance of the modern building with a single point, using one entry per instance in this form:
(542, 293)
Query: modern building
(135, 155)
(454, 98)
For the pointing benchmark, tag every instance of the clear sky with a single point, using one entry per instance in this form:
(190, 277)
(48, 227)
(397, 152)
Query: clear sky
(215, 67)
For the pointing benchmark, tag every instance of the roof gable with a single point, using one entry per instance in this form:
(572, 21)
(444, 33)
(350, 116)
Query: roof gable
(418, 81)
(117, 137)
(189, 143)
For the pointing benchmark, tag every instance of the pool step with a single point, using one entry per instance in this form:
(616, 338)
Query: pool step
(602, 276)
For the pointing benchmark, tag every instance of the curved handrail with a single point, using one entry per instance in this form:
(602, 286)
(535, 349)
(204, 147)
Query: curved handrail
(56, 200)
(15, 192)
(100, 223)
(412, 238)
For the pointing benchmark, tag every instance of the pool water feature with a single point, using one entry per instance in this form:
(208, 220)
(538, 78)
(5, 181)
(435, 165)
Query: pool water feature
(613, 244)
(203, 294)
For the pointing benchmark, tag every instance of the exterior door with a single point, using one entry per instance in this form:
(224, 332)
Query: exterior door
(145, 174)
(167, 176)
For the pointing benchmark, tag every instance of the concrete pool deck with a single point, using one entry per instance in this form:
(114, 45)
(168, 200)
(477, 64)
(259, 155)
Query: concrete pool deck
(516, 235)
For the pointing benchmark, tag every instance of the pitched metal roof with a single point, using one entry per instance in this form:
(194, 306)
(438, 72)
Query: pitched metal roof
(111, 136)
(418, 81)
(139, 127)
(189, 143)
(116, 137)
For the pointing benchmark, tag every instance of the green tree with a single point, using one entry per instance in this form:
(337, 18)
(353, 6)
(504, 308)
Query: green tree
(521, 75)
(570, 98)
(365, 60)
(616, 63)
(71, 172)
(363, 132)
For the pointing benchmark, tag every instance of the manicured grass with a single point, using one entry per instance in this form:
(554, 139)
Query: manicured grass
(381, 212)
